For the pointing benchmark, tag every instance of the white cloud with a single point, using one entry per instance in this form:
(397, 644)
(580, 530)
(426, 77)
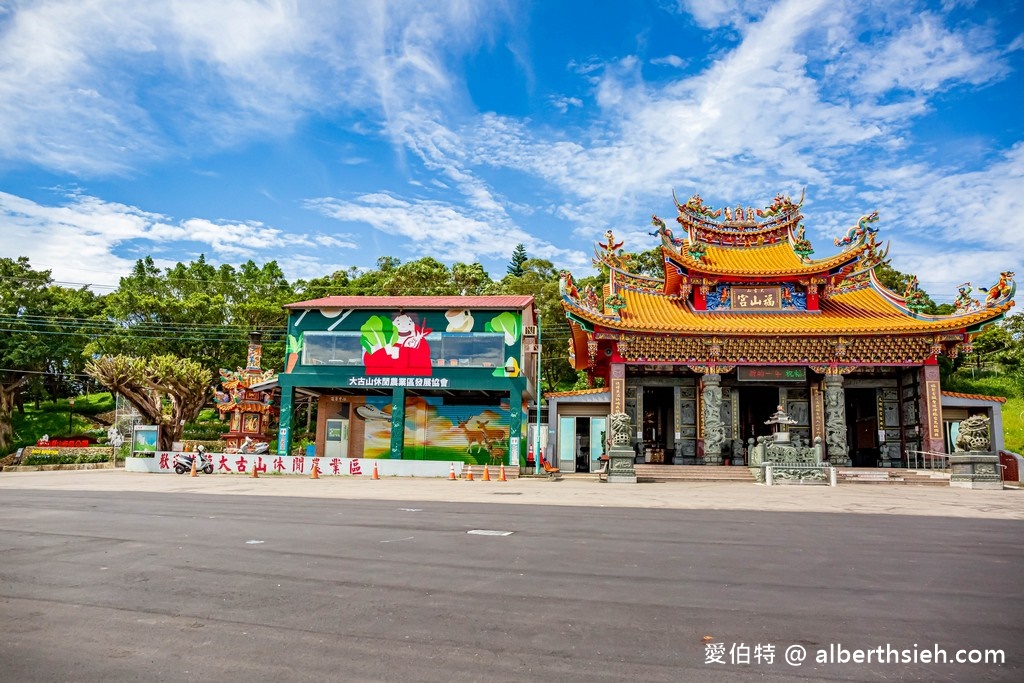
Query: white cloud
(950, 226)
(926, 56)
(562, 103)
(439, 229)
(88, 240)
(721, 13)
(675, 61)
(77, 76)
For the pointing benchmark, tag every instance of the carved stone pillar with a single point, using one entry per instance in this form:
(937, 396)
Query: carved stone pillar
(835, 421)
(714, 430)
(620, 457)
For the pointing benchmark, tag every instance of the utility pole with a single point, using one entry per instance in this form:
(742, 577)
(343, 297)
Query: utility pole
(536, 435)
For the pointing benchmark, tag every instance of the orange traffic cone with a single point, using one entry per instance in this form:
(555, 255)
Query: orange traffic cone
(451, 473)
(487, 475)
(375, 475)
(316, 473)
(501, 475)
(194, 474)
(469, 472)
(255, 474)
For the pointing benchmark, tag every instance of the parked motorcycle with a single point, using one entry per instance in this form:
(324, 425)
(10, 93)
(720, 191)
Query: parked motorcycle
(254, 448)
(183, 461)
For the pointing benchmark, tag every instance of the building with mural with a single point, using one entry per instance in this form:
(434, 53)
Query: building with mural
(744, 321)
(413, 377)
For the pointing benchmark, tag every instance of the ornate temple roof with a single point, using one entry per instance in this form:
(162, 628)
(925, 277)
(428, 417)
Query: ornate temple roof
(758, 261)
(859, 311)
(750, 274)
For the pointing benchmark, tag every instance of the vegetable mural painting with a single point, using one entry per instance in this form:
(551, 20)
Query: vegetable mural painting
(378, 332)
(294, 348)
(508, 324)
(395, 346)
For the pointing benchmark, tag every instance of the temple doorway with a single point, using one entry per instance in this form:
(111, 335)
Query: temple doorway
(658, 444)
(862, 427)
(757, 404)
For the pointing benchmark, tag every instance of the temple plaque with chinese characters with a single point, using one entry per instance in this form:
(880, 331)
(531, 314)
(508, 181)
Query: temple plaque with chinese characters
(756, 298)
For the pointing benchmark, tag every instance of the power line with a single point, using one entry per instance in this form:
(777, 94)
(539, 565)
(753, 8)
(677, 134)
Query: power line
(131, 336)
(44, 372)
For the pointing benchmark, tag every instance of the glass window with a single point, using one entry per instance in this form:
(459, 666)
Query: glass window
(475, 350)
(332, 348)
(469, 350)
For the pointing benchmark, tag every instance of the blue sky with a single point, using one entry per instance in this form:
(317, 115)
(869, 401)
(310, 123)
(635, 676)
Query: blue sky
(325, 134)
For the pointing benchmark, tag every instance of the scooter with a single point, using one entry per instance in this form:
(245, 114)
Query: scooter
(183, 461)
(250, 447)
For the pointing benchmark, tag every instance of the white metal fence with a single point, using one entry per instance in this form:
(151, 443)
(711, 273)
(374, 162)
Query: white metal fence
(927, 460)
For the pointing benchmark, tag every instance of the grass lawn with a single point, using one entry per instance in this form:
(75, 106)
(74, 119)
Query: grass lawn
(1013, 424)
(52, 418)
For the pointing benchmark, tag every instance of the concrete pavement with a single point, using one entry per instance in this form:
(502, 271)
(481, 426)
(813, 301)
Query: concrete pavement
(569, 491)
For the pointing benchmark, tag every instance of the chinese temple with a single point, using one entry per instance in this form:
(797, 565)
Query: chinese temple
(250, 410)
(745, 323)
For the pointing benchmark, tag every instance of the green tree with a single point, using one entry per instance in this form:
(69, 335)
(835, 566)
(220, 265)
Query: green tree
(256, 303)
(166, 390)
(897, 281)
(649, 263)
(540, 279)
(195, 311)
(471, 280)
(338, 283)
(24, 299)
(43, 331)
(519, 257)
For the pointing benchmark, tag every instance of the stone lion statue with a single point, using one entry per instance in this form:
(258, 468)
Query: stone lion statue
(973, 435)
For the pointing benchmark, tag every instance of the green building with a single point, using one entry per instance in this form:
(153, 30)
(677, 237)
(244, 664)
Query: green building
(412, 377)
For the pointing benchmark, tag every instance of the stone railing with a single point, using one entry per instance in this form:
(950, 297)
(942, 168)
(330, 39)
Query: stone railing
(773, 463)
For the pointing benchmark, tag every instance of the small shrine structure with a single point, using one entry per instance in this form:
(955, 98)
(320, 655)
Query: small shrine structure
(744, 320)
(251, 411)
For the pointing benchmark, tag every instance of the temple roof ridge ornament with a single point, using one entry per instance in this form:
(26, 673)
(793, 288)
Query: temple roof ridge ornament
(610, 253)
(858, 233)
(781, 213)
(913, 303)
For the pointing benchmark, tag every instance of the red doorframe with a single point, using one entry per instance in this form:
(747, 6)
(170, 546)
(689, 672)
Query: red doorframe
(1009, 463)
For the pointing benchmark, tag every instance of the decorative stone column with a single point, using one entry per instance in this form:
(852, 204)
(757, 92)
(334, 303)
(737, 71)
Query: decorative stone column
(620, 459)
(835, 421)
(714, 430)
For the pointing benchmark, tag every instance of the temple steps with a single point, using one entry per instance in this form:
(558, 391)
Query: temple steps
(692, 473)
(875, 475)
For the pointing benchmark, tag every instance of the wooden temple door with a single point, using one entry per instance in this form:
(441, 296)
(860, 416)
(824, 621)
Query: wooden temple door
(861, 416)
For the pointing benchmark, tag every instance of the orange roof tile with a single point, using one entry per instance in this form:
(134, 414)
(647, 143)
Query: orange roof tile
(764, 261)
(575, 392)
(863, 311)
(980, 397)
